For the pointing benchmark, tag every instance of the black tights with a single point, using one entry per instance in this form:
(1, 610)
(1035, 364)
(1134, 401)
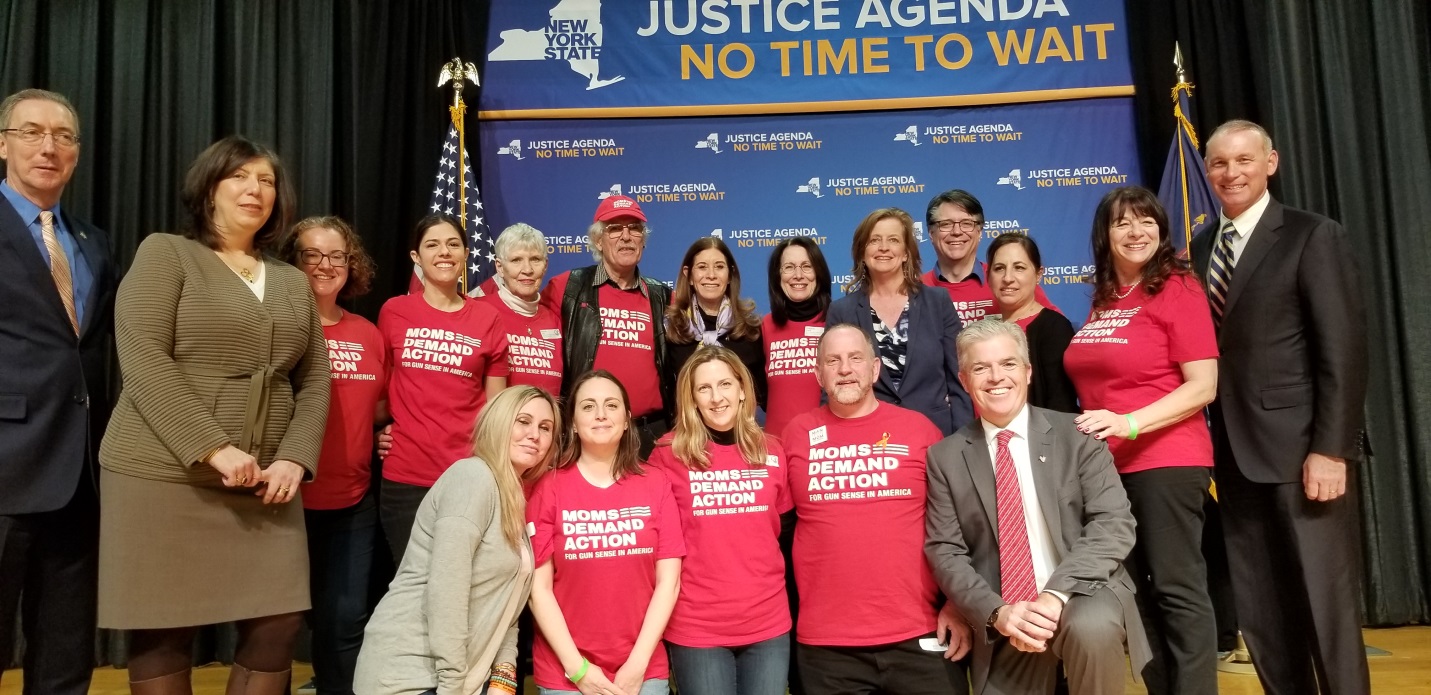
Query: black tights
(264, 644)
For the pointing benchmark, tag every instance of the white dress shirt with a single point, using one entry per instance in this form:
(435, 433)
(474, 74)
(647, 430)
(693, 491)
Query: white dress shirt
(1244, 224)
(1041, 546)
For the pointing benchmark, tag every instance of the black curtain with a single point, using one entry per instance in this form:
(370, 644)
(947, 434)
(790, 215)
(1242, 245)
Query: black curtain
(345, 90)
(1344, 86)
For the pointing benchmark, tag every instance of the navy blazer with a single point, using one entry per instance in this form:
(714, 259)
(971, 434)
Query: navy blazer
(54, 387)
(931, 371)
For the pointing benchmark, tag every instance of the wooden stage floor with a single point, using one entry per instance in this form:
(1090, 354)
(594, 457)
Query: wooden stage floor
(1407, 671)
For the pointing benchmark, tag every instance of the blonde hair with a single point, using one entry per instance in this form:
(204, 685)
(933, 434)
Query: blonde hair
(691, 439)
(492, 442)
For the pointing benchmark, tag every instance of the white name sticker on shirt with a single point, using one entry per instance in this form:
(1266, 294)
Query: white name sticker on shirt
(772, 460)
(551, 333)
(531, 529)
(818, 435)
(814, 331)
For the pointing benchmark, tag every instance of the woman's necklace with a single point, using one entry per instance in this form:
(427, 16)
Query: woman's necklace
(1130, 289)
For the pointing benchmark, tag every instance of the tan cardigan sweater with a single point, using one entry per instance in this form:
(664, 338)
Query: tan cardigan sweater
(457, 593)
(205, 363)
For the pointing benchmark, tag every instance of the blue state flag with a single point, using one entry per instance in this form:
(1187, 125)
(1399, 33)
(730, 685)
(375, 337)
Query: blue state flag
(1184, 191)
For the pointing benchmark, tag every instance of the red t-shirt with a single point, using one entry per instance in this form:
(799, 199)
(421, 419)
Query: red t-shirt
(358, 363)
(439, 361)
(858, 486)
(972, 297)
(790, 370)
(733, 577)
(1129, 355)
(604, 544)
(534, 347)
(627, 337)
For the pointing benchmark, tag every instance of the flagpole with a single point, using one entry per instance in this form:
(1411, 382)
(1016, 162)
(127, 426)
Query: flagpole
(1183, 123)
(457, 72)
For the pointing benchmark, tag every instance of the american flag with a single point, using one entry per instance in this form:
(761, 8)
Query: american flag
(446, 199)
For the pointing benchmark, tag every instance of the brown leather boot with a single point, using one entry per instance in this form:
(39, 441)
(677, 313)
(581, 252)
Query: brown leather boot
(243, 681)
(177, 683)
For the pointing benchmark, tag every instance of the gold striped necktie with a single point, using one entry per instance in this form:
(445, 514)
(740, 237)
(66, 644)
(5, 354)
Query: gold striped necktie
(59, 267)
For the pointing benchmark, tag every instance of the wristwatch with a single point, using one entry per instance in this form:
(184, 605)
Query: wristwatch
(994, 617)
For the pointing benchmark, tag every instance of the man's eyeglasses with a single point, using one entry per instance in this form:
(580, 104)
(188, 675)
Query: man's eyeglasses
(947, 226)
(634, 229)
(31, 136)
(337, 259)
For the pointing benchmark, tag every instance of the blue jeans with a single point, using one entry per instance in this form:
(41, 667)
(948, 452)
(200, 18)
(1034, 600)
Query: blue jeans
(341, 544)
(754, 669)
(654, 686)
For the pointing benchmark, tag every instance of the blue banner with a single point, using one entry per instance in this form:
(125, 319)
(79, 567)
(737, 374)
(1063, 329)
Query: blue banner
(589, 58)
(754, 180)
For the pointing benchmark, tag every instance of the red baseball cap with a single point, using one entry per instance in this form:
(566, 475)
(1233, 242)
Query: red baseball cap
(615, 206)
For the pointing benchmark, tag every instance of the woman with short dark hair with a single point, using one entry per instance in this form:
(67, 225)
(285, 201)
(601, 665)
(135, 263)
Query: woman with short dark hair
(221, 417)
(1015, 269)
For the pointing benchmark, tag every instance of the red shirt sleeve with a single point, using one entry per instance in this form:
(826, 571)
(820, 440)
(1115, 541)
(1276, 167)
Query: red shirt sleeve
(784, 501)
(670, 541)
(497, 361)
(552, 294)
(542, 517)
(1187, 318)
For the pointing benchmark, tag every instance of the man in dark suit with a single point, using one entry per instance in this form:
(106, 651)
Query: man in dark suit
(56, 331)
(1027, 527)
(1287, 420)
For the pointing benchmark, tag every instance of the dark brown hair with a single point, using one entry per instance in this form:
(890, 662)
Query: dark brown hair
(1162, 265)
(1015, 239)
(628, 452)
(361, 267)
(912, 268)
(779, 303)
(414, 239)
(746, 321)
(213, 165)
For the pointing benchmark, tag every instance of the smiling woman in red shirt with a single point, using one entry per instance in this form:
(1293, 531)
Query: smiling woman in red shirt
(448, 357)
(730, 630)
(607, 541)
(339, 511)
(1145, 366)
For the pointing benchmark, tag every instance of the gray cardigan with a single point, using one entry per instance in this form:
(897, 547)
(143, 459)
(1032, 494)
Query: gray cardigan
(448, 600)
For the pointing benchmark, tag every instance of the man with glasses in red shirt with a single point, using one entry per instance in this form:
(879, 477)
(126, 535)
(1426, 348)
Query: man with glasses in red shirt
(955, 220)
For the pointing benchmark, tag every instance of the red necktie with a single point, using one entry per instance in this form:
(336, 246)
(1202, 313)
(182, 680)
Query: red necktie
(1016, 575)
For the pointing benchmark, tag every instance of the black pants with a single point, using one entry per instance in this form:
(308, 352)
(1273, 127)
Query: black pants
(397, 509)
(341, 545)
(1171, 575)
(902, 668)
(650, 428)
(1296, 570)
(52, 560)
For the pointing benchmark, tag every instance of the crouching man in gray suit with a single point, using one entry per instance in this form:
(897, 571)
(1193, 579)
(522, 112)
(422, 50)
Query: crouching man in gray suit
(1026, 529)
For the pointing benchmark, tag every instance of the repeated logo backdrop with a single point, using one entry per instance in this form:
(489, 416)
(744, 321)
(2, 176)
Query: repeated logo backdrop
(754, 180)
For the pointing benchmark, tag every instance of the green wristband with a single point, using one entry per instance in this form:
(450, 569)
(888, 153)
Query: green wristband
(580, 673)
(1132, 428)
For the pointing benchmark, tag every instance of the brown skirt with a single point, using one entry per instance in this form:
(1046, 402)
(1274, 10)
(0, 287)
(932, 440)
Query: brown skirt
(176, 555)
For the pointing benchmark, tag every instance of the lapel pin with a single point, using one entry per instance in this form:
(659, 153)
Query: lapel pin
(1043, 459)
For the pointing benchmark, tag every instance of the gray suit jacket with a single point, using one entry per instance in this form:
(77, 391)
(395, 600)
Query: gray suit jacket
(1081, 498)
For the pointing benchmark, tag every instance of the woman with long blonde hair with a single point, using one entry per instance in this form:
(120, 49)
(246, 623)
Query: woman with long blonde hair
(730, 630)
(449, 620)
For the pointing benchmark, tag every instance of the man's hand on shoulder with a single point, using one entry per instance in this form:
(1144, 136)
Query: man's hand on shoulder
(1324, 478)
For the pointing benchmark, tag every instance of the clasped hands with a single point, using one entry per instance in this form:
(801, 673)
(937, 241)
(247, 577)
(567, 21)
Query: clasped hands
(277, 484)
(1030, 625)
